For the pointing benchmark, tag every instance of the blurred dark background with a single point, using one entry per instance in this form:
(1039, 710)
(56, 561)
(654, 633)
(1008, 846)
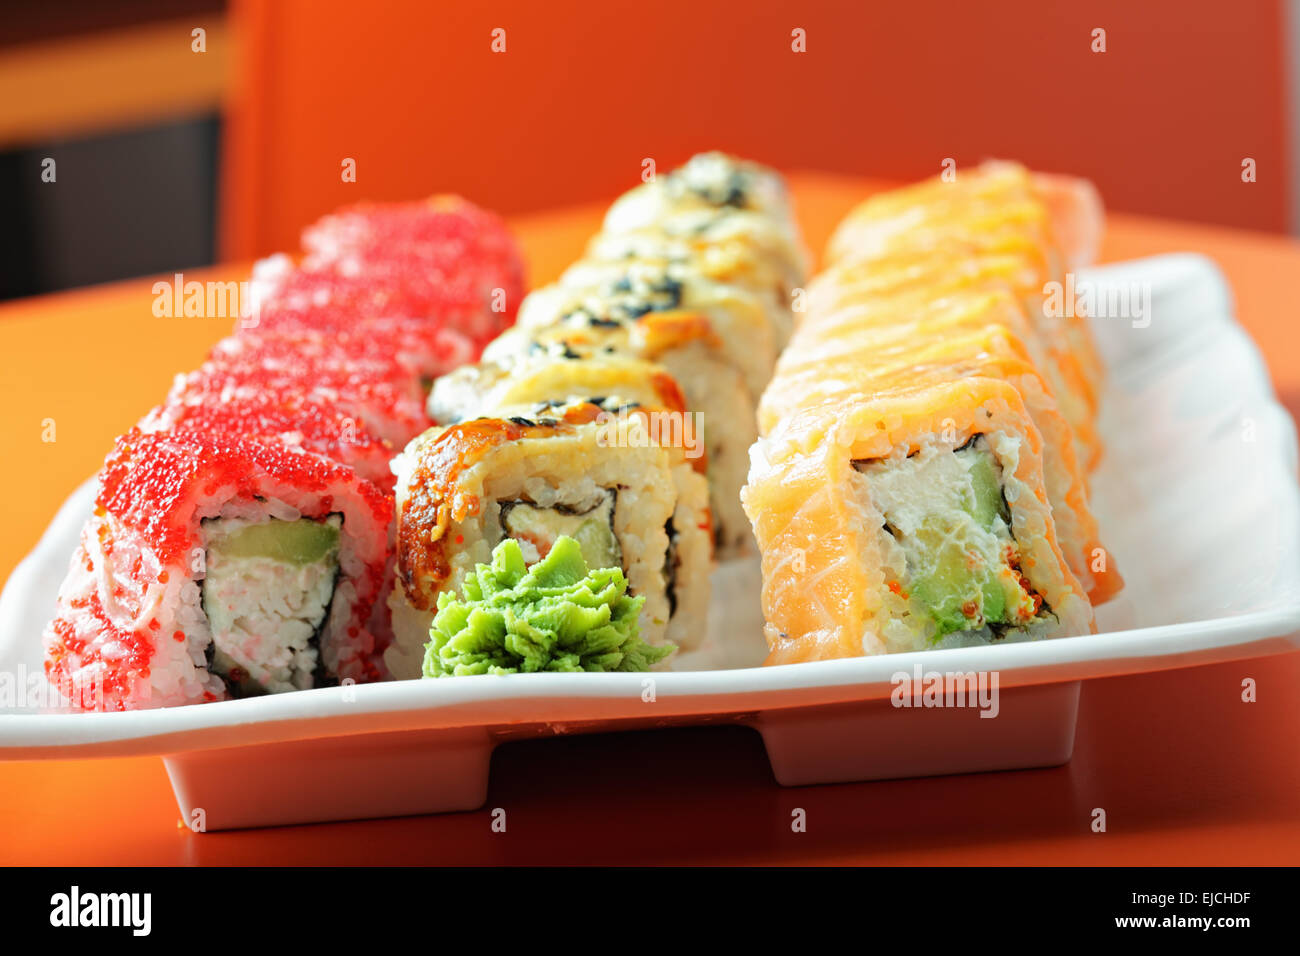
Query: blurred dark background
(166, 158)
(131, 116)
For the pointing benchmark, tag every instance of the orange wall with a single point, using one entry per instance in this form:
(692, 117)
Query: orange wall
(412, 91)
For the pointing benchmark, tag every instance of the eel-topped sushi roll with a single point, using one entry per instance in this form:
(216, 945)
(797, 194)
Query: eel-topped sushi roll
(774, 245)
(545, 379)
(719, 404)
(721, 254)
(735, 320)
(602, 476)
(708, 181)
(647, 277)
(217, 566)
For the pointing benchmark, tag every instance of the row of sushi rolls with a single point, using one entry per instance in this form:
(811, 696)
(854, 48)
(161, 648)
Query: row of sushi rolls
(405, 468)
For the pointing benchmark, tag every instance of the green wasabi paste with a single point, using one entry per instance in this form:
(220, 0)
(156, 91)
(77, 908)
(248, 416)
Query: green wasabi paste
(555, 616)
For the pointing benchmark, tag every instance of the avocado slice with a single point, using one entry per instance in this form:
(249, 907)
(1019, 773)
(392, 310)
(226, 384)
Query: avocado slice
(986, 486)
(958, 585)
(593, 529)
(299, 542)
(599, 546)
(947, 511)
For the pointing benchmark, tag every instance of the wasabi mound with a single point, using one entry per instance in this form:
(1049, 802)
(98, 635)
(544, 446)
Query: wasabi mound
(555, 616)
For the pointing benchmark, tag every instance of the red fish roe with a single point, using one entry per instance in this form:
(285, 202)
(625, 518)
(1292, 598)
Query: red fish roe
(359, 356)
(314, 424)
(435, 259)
(441, 229)
(440, 265)
(324, 303)
(380, 389)
(151, 481)
(114, 676)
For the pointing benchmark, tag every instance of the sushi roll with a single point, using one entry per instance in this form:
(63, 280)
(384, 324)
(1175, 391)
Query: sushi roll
(775, 245)
(649, 301)
(587, 471)
(956, 256)
(946, 306)
(993, 207)
(915, 519)
(448, 272)
(685, 295)
(464, 244)
(486, 388)
(707, 181)
(290, 300)
(717, 397)
(987, 197)
(240, 542)
(905, 355)
(216, 566)
(734, 299)
(921, 481)
(354, 372)
(285, 417)
(732, 255)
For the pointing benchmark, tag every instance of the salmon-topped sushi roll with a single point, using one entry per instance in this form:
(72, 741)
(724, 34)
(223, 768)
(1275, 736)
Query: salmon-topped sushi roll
(875, 360)
(915, 519)
(992, 196)
(958, 297)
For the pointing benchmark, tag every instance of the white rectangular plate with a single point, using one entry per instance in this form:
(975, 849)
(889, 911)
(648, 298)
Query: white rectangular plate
(1198, 504)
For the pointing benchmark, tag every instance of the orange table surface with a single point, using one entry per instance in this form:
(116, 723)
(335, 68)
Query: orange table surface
(1187, 772)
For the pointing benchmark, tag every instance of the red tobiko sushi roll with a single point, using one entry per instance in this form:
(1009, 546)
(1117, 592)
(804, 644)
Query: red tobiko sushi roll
(435, 227)
(448, 272)
(313, 424)
(466, 254)
(347, 370)
(217, 566)
(289, 299)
